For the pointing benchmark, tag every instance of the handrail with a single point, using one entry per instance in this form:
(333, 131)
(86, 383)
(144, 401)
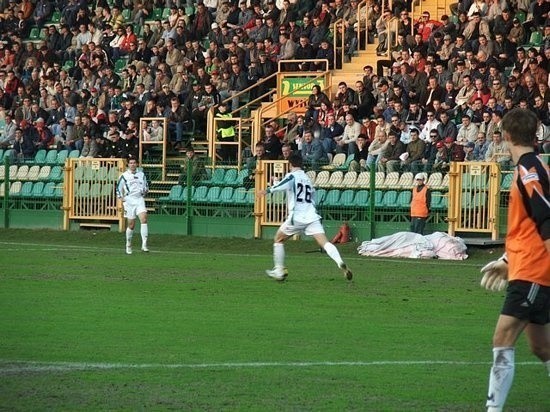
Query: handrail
(338, 23)
(280, 62)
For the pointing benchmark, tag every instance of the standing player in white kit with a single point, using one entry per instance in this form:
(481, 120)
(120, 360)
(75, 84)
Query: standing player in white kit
(131, 189)
(302, 218)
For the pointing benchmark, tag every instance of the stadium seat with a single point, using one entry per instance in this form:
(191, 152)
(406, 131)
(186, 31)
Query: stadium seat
(12, 172)
(157, 13)
(7, 155)
(322, 179)
(173, 196)
(15, 189)
(1, 154)
(82, 189)
(363, 180)
(320, 196)
(336, 179)
(390, 199)
(230, 177)
(44, 172)
(361, 198)
(49, 190)
(391, 181)
(536, 39)
(120, 64)
(312, 174)
(102, 174)
(22, 172)
(26, 189)
(404, 200)
(347, 198)
(68, 65)
(40, 157)
(436, 198)
(55, 18)
(37, 190)
(126, 13)
(217, 178)
(34, 34)
(165, 13)
(406, 181)
(226, 195)
(332, 198)
(200, 194)
(379, 180)
(56, 174)
(242, 176)
(521, 16)
(349, 180)
(239, 195)
(506, 182)
(189, 10)
(213, 195)
(51, 157)
(434, 180)
(74, 154)
(2, 173)
(61, 156)
(338, 160)
(378, 198)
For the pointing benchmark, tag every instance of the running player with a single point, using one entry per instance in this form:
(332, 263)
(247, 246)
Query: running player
(526, 262)
(302, 218)
(131, 188)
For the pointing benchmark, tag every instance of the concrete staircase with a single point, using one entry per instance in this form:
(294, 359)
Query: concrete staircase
(353, 71)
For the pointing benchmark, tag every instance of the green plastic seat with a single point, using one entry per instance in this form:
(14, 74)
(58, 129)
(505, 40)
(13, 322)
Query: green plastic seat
(74, 154)
(404, 200)
(226, 195)
(239, 195)
(51, 157)
(34, 34)
(200, 194)
(390, 199)
(332, 198)
(320, 196)
(38, 190)
(26, 189)
(230, 177)
(361, 198)
(62, 156)
(347, 197)
(217, 178)
(506, 182)
(40, 157)
(49, 190)
(174, 195)
(213, 195)
(56, 174)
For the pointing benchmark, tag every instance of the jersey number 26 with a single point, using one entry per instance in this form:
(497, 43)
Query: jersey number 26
(304, 193)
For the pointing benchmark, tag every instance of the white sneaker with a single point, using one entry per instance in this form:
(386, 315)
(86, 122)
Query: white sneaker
(145, 249)
(128, 249)
(347, 273)
(277, 274)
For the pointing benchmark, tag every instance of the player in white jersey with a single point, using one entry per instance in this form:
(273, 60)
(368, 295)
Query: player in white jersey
(302, 218)
(131, 187)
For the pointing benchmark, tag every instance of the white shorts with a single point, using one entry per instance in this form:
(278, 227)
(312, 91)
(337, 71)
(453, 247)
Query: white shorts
(309, 229)
(134, 207)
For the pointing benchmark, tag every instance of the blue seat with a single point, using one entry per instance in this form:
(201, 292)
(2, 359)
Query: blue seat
(347, 197)
(200, 194)
(332, 198)
(361, 198)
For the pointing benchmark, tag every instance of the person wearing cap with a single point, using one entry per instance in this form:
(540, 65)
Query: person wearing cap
(420, 204)
(514, 91)
(517, 32)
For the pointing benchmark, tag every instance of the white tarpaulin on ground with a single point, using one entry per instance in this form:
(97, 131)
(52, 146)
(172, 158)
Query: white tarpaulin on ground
(412, 245)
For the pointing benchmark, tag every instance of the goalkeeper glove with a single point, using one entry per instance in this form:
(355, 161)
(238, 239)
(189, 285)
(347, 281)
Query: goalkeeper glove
(495, 275)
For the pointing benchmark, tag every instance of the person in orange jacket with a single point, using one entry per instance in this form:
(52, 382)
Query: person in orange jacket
(420, 204)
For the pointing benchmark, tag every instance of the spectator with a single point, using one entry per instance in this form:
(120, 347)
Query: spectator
(312, 151)
(498, 151)
(390, 159)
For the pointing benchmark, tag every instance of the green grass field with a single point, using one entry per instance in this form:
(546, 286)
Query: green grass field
(196, 325)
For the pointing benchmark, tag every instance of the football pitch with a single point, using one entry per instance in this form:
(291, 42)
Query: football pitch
(197, 325)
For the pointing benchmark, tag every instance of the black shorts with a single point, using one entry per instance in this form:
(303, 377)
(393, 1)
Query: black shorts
(527, 301)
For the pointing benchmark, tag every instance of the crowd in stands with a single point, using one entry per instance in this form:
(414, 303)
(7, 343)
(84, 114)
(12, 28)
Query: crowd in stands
(101, 65)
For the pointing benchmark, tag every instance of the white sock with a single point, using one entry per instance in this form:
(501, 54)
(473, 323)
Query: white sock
(129, 236)
(279, 255)
(501, 377)
(547, 363)
(144, 229)
(333, 253)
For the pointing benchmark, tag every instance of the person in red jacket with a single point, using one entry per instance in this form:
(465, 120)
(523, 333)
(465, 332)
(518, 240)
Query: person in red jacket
(420, 204)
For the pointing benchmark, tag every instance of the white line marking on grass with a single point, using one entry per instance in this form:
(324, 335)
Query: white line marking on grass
(14, 367)
(52, 247)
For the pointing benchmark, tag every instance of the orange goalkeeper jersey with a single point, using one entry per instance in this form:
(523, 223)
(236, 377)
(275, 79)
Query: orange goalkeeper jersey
(529, 222)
